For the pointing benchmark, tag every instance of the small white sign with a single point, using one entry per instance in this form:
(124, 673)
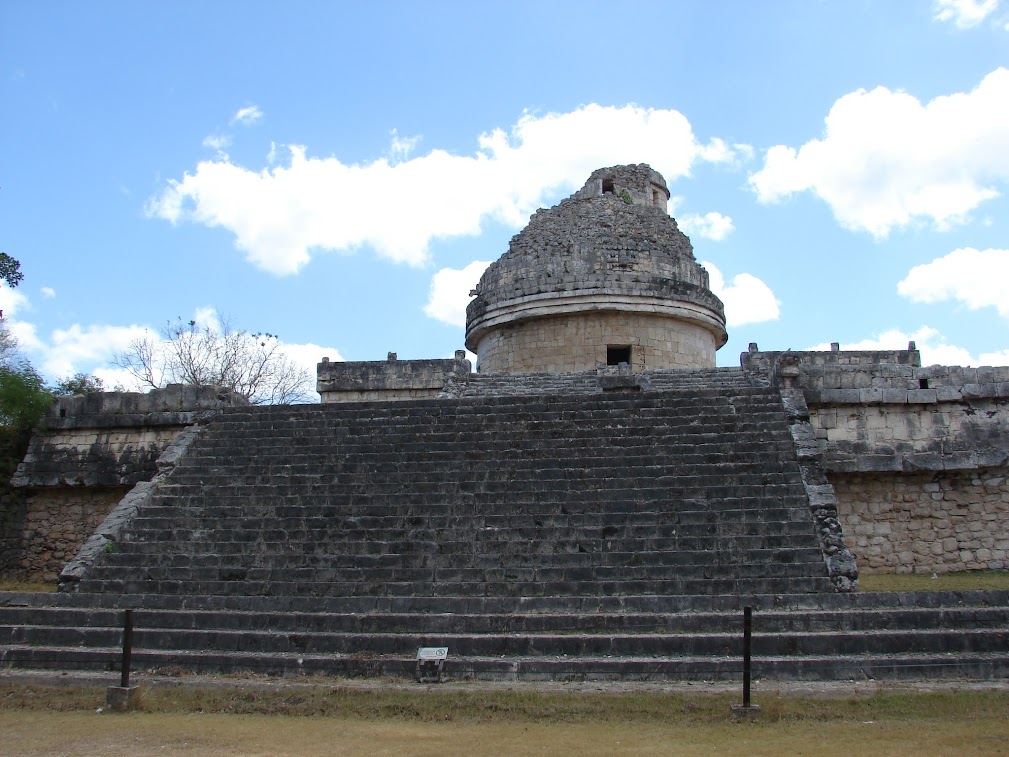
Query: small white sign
(432, 653)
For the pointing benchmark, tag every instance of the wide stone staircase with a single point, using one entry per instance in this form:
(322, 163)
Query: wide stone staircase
(565, 537)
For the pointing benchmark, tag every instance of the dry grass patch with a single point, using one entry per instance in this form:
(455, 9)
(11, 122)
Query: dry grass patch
(44, 721)
(968, 580)
(26, 586)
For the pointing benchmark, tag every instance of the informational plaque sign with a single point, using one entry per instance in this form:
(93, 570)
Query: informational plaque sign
(431, 664)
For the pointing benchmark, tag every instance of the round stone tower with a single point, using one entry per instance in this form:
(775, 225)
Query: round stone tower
(605, 277)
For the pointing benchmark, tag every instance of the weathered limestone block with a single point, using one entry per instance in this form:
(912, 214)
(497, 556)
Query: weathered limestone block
(392, 379)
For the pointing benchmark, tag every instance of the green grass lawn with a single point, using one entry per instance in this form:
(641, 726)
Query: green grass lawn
(961, 581)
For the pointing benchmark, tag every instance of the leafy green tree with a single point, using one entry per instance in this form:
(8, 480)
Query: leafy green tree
(10, 270)
(23, 400)
(79, 383)
(23, 397)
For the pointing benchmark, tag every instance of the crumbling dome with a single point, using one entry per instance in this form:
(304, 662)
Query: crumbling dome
(605, 277)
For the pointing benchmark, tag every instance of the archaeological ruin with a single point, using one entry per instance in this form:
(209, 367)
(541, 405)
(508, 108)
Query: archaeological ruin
(596, 501)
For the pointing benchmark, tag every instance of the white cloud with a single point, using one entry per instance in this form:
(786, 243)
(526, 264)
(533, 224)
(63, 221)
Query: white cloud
(91, 349)
(976, 278)
(450, 292)
(930, 343)
(309, 355)
(80, 348)
(218, 142)
(283, 214)
(964, 13)
(246, 116)
(887, 161)
(712, 225)
(48, 292)
(401, 147)
(11, 301)
(747, 299)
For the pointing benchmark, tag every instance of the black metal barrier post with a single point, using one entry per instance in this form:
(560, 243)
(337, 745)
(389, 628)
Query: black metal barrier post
(747, 647)
(124, 697)
(746, 708)
(124, 679)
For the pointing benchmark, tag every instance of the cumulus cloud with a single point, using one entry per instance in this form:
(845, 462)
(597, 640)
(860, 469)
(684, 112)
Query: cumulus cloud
(964, 13)
(886, 160)
(91, 348)
(246, 116)
(12, 301)
(747, 299)
(81, 348)
(932, 345)
(977, 278)
(218, 142)
(283, 214)
(714, 226)
(450, 292)
(309, 354)
(48, 292)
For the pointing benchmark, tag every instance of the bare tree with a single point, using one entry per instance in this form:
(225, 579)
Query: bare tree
(187, 352)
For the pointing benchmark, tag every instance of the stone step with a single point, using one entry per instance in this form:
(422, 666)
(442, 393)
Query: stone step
(766, 622)
(743, 585)
(611, 524)
(351, 529)
(525, 644)
(246, 571)
(943, 602)
(329, 559)
(826, 668)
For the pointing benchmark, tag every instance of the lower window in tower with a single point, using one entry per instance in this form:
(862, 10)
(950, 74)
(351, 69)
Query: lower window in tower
(617, 354)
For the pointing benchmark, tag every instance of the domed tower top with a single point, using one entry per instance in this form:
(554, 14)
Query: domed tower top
(606, 276)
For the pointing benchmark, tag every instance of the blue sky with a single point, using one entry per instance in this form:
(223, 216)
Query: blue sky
(340, 173)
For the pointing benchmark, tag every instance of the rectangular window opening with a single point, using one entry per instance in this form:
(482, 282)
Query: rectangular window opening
(617, 354)
(923, 383)
(607, 186)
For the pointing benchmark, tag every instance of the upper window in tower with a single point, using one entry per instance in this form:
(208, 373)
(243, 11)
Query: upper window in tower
(608, 187)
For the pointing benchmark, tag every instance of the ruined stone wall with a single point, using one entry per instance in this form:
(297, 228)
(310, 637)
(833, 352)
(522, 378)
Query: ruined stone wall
(86, 454)
(926, 522)
(49, 526)
(578, 343)
(917, 455)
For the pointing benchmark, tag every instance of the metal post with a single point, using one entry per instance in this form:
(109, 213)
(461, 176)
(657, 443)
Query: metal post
(124, 681)
(747, 629)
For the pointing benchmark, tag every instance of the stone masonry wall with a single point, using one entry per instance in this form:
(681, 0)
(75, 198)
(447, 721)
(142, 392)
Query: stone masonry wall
(51, 527)
(578, 343)
(926, 522)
